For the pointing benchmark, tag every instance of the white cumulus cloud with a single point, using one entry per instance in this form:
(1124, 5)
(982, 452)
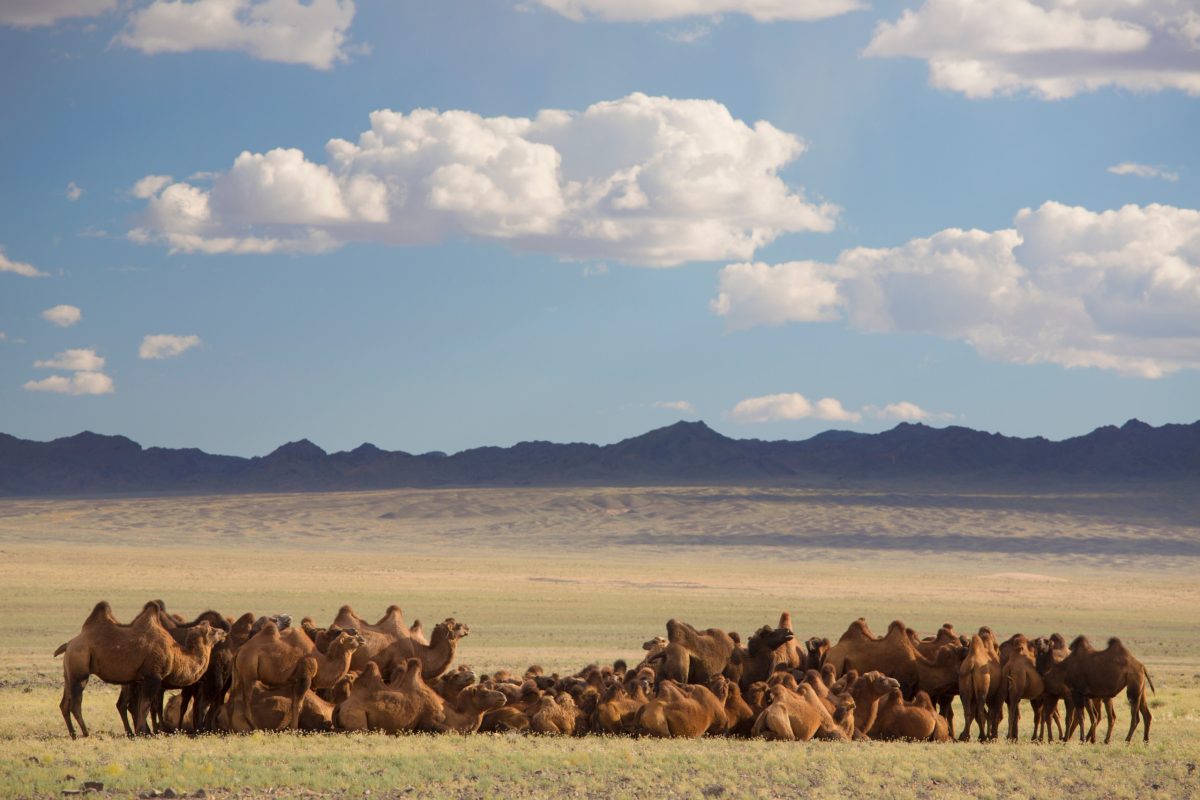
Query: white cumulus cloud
(655, 10)
(1144, 171)
(63, 316)
(1117, 290)
(165, 345)
(73, 191)
(18, 267)
(293, 32)
(74, 360)
(150, 185)
(80, 383)
(36, 13)
(904, 411)
(791, 406)
(1052, 48)
(645, 180)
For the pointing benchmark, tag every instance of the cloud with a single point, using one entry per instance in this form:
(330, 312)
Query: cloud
(1116, 290)
(595, 270)
(165, 345)
(75, 360)
(1052, 48)
(80, 383)
(1143, 171)
(150, 185)
(28, 270)
(62, 315)
(36, 13)
(74, 191)
(657, 10)
(682, 406)
(791, 406)
(905, 412)
(290, 31)
(644, 180)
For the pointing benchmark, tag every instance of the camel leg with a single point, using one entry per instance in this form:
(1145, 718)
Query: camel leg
(146, 693)
(968, 717)
(128, 693)
(1057, 720)
(1014, 717)
(72, 704)
(185, 699)
(1146, 717)
(981, 716)
(946, 709)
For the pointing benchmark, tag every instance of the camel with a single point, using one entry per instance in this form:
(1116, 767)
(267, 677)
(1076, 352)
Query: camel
(790, 652)
(184, 674)
(274, 709)
(695, 656)
(141, 651)
(1102, 674)
(371, 705)
(435, 657)
(938, 674)
(893, 655)
(272, 657)
(1020, 680)
(379, 636)
(797, 716)
(553, 715)
(683, 711)
(897, 719)
(766, 648)
(979, 687)
(816, 649)
(1048, 651)
(739, 716)
(867, 691)
(465, 714)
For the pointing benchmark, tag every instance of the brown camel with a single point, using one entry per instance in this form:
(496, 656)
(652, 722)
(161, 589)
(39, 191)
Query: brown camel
(273, 709)
(141, 651)
(618, 707)
(766, 648)
(272, 657)
(1102, 674)
(1020, 680)
(867, 691)
(372, 705)
(695, 656)
(893, 655)
(791, 652)
(897, 719)
(553, 715)
(465, 714)
(979, 687)
(184, 674)
(435, 657)
(683, 711)
(797, 716)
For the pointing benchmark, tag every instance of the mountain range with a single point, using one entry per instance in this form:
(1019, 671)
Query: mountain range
(684, 453)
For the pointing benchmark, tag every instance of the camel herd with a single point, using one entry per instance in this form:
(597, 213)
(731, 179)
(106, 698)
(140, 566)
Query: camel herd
(261, 673)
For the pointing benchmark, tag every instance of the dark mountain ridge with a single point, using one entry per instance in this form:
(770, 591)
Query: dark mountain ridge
(684, 453)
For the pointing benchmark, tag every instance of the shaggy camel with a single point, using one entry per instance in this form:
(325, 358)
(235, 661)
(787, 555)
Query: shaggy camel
(408, 706)
(797, 715)
(766, 649)
(694, 656)
(184, 675)
(894, 654)
(617, 710)
(1102, 674)
(273, 656)
(897, 719)
(979, 687)
(274, 709)
(791, 653)
(817, 649)
(435, 657)
(684, 711)
(376, 637)
(867, 691)
(142, 651)
(553, 715)
(465, 714)
(1020, 680)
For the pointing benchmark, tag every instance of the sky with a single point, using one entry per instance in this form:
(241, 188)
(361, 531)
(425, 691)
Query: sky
(229, 224)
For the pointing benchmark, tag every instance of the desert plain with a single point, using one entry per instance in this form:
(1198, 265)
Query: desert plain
(572, 576)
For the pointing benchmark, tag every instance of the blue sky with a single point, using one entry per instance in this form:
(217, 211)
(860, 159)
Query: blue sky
(494, 312)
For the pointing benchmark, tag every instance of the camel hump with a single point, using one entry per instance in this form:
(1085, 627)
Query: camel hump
(785, 620)
(1080, 641)
(101, 613)
(1114, 643)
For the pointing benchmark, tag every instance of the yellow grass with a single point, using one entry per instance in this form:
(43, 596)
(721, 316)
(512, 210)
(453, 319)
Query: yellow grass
(572, 576)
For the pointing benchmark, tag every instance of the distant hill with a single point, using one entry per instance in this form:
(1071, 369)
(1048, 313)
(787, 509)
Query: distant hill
(683, 453)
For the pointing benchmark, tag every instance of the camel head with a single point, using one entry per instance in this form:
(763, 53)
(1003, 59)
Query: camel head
(451, 629)
(655, 644)
(485, 699)
(344, 642)
(204, 636)
(769, 639)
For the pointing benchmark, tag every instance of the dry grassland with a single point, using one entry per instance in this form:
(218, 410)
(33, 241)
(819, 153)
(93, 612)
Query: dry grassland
(572, 576)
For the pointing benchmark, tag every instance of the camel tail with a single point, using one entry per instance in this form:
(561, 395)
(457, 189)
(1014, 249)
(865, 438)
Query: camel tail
(1145, 672)
(62, 648)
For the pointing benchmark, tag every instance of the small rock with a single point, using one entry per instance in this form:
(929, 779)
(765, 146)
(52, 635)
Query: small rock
(200, 793)
(34, 760)
(93, 786)
(409, 789)
(713, 790)
(168, 793)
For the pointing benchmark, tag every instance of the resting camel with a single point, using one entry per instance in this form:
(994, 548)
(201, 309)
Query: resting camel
(408, 706)
(553, 715)
(867, 691)
(378, 636)
(979, 687)
(695, 656)
(465, 714)
(897, 719)
(274, 709)
(797, 715)
(683, 711)
(141, 651)
(618, 707)
(435, 657)
(1102, 674)
(272, 657)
